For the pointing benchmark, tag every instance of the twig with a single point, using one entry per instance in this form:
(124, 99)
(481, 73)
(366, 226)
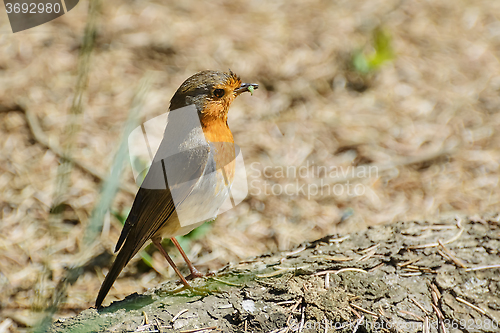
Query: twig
(371, 248)
(178, 315)
(376, 267)
(341, 271)
(353, 298)
(199, 329)
(438, 312)
(381, 311)
(356, 313)
(443, 327)
(332, 258)
(300, 249)
(427, 328)
(338, 240)
(280, 270)
(367, 256)
(409, 262)
(452, 239)
(480, 268)
(413, 268)
(158, 324)
(436, 295)
(412, 314)
(419, 306)
(440, 318)
(364, 310)
(478, 309)
(444, 255)
(410, 274)
(457, 261)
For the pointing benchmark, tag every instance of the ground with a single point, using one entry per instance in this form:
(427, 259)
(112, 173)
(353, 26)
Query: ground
(400, 277)
(398, 100)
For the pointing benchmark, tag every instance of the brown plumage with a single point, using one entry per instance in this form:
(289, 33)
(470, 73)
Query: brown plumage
(199, 176)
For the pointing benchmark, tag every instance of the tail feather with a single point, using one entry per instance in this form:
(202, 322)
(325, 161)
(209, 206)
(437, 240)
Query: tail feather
(127, 252)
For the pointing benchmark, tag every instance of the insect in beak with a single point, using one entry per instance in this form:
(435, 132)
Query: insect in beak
(246, 87)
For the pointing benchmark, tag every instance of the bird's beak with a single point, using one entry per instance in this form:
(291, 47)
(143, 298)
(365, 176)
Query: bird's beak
(246, 87)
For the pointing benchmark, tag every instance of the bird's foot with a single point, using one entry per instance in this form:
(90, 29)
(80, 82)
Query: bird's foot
(196, 274)
(199, 291)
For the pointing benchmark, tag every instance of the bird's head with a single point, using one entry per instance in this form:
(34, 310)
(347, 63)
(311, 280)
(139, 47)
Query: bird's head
(212, 92)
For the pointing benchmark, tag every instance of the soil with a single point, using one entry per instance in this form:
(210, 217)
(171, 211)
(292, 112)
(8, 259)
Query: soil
(406, 277)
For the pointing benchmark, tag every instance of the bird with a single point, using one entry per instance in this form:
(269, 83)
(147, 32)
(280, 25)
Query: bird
(191, 173)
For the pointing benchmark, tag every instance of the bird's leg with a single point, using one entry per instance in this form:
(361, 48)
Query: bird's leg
(157, 243)
(194, 272)
(199, 291)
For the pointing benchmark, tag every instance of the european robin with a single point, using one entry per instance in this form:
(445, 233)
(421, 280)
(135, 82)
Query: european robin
(191, 174)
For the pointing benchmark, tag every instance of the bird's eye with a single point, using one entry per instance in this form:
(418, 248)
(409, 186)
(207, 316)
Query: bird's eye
(219, 93)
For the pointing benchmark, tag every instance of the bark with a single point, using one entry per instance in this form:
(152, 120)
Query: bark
(404, 277)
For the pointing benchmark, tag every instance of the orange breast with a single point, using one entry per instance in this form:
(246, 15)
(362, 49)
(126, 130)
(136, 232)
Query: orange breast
(218, 134)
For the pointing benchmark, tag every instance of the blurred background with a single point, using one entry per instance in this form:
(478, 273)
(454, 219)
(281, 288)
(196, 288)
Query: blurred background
(386, 110)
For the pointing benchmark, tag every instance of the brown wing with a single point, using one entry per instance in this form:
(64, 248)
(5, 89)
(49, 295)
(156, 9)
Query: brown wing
(154, 205)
